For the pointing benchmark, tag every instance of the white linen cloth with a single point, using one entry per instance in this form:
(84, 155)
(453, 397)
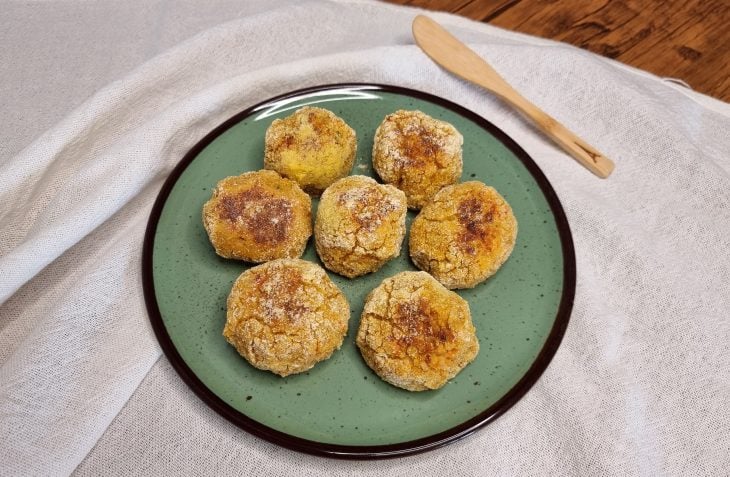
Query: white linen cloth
(639, 386)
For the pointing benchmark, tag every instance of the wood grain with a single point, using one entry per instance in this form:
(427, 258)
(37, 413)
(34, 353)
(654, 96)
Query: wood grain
(687, 40)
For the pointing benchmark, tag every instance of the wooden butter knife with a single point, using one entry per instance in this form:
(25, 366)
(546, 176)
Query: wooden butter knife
(456, 57)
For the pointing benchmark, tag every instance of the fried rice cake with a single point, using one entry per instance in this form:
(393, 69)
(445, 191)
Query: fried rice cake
(313, 147)
(285, 316)
(463, 235)
(414, 333)
(360, 225)
(418, 154)
(258, 216)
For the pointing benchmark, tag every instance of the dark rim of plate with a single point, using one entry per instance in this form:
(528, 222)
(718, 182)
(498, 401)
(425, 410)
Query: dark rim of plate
(368, 451)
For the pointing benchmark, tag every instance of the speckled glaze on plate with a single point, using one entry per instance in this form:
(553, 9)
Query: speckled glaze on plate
(340, 408)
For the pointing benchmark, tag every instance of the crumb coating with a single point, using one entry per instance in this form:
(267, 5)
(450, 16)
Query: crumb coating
(360, 225)
(418, 154)
(463, 235)
(416, 334)
(285, 316)
(313, 146)
(258, 216)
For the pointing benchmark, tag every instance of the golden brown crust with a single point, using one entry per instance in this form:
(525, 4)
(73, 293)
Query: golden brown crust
(416, 334)
(418, 154)
(360, 225)
(285, 316)
(312, 146)
(258, 216)
(463, 235)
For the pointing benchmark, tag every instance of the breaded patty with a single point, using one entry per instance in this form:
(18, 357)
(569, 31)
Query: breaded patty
(416, 334)
(312, 146)
(258, 216)
(418, 154)
(285, 316)
(360, 225)
(463, 235)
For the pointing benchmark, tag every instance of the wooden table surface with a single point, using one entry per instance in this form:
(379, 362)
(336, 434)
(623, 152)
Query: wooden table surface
(688, 40)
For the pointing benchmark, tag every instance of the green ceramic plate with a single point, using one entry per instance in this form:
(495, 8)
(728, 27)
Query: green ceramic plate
(340, 408)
